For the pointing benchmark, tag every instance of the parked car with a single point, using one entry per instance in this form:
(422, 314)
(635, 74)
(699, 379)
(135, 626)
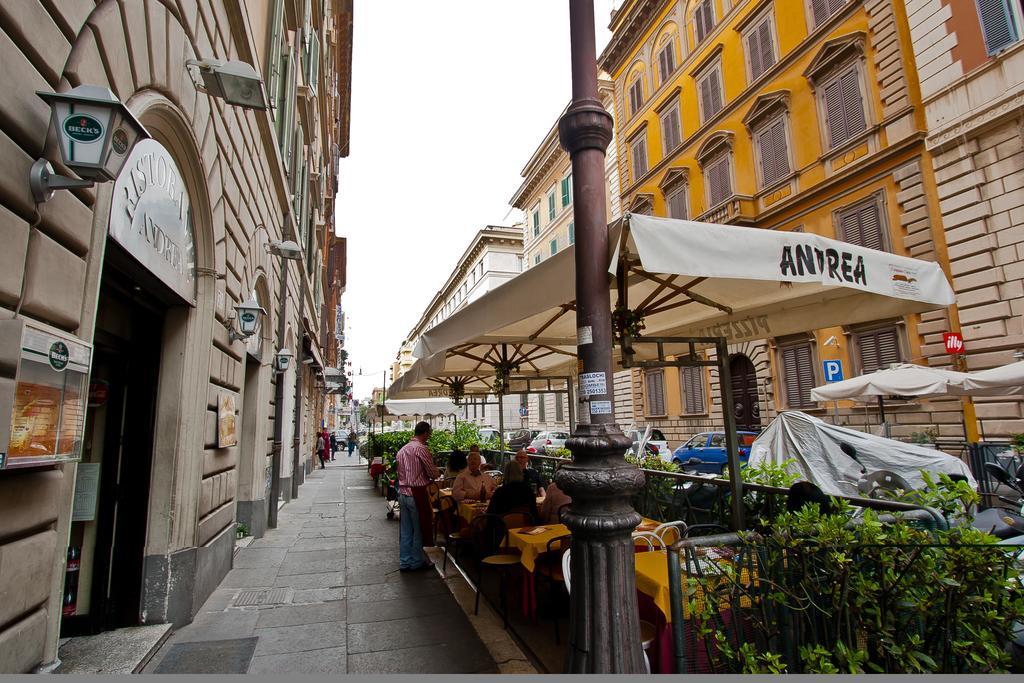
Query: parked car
(657, 444)
(521, 438)
(547, 442)
(488, 434)
(709, 449)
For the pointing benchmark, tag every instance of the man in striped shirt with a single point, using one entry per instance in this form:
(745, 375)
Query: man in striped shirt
(415, 471)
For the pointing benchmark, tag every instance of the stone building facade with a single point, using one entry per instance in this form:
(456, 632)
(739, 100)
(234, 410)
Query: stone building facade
(970, 58)
(782, 115)
(163, 476)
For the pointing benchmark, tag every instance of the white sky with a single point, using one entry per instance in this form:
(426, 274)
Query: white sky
(449, 101)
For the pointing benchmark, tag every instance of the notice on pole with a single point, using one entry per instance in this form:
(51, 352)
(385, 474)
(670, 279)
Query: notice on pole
(87, 486)
(600, 407)
(593, 384)
(584, 335)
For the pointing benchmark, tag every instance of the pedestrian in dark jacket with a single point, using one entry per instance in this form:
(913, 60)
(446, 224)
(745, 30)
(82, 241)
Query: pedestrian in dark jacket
(514, 493)
(321, 450)
(334, 445)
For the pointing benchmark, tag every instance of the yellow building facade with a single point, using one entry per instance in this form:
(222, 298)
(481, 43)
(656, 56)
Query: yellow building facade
(783, 115)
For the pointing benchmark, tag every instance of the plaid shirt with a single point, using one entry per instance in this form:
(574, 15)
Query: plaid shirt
(415, 466)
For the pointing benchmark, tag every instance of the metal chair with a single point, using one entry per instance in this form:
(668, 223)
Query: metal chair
(446, 522)
(651, 539)
(678, 527)
(490, 543)
(548, 565)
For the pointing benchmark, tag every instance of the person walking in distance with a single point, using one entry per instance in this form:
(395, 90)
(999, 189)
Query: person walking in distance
(334, 445)
(416, 470)
(321, 450)
(352, 440)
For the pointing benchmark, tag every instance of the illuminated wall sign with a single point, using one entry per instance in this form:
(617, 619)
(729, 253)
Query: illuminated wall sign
(151, 217)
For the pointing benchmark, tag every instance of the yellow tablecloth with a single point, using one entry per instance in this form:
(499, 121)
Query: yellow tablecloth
(468, 509)
(532, 545)
(652, 580)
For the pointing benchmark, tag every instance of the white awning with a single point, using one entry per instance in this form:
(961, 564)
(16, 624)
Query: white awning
(1006, 380)
(433, 406)
(686, 279)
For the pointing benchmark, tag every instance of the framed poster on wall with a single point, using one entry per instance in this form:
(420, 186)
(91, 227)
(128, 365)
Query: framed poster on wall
(227, 425)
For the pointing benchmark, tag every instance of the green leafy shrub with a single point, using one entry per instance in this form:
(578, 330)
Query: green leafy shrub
(561, 453)
(875, 596)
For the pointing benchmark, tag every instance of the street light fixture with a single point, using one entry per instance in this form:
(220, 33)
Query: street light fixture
(95, 134)
(233, 81)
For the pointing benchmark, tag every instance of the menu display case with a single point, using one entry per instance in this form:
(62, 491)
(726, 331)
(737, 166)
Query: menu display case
(44, 382)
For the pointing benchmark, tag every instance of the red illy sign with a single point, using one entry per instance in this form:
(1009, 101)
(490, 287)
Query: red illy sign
(954, 342)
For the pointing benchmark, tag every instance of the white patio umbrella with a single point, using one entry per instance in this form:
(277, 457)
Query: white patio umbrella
(1006, 380)
(429, 406)
(902, 379)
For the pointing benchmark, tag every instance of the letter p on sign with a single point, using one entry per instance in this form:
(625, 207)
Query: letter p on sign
(954, 342)
(833, 370)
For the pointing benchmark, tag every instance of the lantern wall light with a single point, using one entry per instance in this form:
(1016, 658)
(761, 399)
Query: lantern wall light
(284, 359)
(95, 133)
(248, 315)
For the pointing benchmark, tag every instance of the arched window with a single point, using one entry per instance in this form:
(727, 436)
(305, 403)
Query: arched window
(666, 56)
(636, 93)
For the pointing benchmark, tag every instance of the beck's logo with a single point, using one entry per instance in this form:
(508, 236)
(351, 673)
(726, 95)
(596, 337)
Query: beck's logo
(82, 128)
(59, 355)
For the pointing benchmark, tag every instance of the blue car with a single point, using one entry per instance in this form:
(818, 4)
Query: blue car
(709, 449)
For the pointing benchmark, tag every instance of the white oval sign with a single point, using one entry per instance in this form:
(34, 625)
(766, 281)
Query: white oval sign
(151, 217)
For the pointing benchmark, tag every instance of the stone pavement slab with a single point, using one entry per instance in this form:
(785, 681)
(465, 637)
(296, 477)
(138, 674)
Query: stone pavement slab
(340, 603)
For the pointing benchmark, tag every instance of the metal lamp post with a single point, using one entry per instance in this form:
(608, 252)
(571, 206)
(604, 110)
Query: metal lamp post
(287, 251)
(604, 624)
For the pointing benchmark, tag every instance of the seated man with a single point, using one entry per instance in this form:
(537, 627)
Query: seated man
(553, 502)
(472, 483)
(514, 494)
(530, 475)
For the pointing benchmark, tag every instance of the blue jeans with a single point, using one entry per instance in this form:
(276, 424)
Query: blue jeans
(351, 447)
(410, 545)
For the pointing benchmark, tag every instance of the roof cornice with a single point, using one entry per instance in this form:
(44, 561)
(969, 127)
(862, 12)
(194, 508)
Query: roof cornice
(627, 26)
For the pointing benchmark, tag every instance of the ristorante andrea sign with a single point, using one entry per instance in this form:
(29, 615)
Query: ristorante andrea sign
(151, 217)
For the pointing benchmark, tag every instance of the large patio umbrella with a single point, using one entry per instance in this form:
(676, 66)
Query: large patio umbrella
(902, 379)
(1006, 380)
(682, 281)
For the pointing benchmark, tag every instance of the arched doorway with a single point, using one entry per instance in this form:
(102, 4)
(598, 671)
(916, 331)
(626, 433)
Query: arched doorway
(744, 393)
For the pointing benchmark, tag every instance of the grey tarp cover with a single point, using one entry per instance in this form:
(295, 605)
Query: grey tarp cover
(815, 446)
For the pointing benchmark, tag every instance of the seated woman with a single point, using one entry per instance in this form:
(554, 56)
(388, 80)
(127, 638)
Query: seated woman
(514, 494)
(456, 463)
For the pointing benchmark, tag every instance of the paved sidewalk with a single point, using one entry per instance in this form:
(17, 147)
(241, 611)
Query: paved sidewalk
(322, 594)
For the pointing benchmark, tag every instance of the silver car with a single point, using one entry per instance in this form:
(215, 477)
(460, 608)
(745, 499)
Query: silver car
(548, 442)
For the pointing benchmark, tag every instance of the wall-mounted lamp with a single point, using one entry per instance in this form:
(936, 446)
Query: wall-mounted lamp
(286, 249)
(95, 134)
(248, 314)
(234, 82)
(284, 359)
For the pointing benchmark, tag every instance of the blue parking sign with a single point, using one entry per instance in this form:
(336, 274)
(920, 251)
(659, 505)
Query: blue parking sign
(833, 370)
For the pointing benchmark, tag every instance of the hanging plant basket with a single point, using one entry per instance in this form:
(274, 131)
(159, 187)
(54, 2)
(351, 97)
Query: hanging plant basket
(502, 373)
(457, 391)
(627, 322)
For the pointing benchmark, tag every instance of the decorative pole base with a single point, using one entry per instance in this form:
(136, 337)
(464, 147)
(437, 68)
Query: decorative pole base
(604, 624)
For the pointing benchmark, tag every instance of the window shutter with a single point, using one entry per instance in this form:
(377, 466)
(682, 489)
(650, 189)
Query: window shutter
(861, 224)
(853, 103)
(878, 349)
(698, 23)
(677, 203)
(572, 233)
(997, 24)
(636, 95)
(719, 182)
(774, 155)
(692, 382)
(670, 133)
(666, 62)
(754, 53)
(837, 131)
(798, 375)
(716, 91)
(541, 405)
(554, 246)
(567, 190)
(823, 9)
(559, 414)
(655, 382)
(639, 158)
